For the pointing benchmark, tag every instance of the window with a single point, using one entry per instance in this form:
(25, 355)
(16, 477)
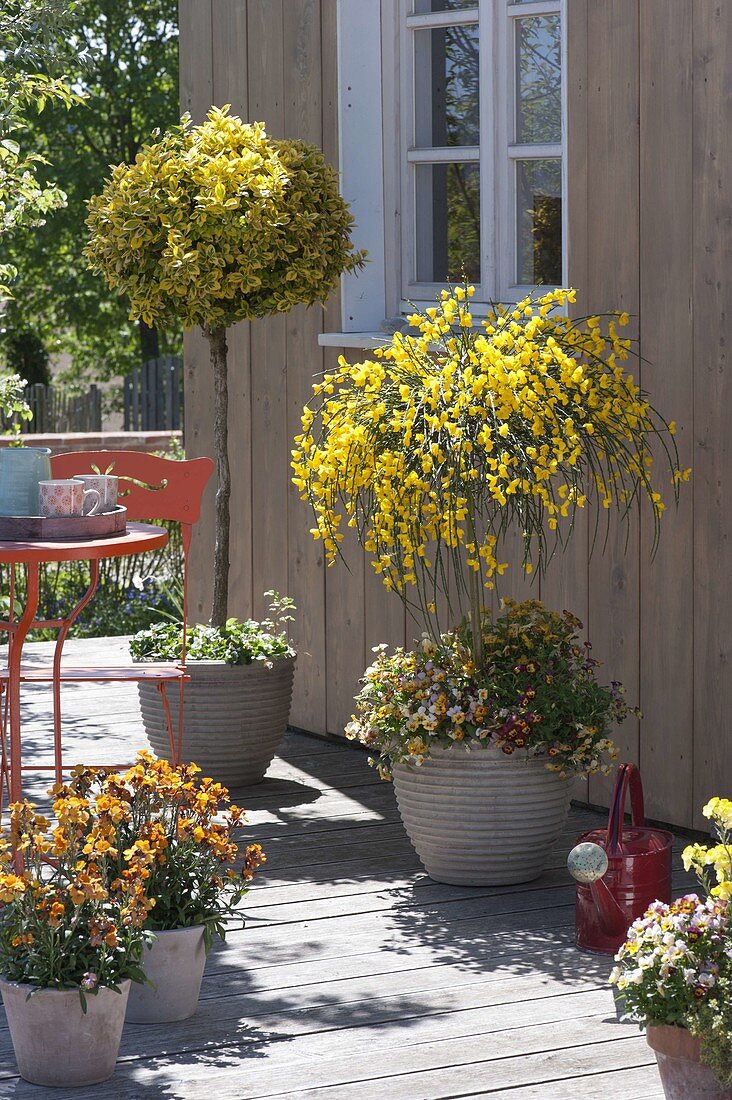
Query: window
(465, 102)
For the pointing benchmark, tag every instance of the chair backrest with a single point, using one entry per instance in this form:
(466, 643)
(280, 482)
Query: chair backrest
(150, 487)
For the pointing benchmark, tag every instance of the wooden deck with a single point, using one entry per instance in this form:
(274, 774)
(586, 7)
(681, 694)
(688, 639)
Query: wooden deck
(357, 976)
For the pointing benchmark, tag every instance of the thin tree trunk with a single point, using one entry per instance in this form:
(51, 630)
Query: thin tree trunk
(149, 341)
(217, 340)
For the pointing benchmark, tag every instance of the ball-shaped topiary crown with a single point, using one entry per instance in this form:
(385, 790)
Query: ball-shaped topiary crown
(219, 223)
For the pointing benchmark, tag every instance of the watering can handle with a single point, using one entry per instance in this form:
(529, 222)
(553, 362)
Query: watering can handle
(627, 775)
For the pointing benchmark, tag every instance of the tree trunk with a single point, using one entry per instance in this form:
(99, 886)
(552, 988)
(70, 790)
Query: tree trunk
(217, 340)
(149, 341)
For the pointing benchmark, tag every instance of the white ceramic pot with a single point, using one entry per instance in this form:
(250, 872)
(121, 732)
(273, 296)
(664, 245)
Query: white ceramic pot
(479, 817)
(234, 717)
(55, 1042)
(174, 964)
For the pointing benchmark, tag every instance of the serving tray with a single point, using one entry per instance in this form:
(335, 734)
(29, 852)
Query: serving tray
(63, 528)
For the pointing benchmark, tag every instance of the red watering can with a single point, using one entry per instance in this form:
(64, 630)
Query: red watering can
(619, 871)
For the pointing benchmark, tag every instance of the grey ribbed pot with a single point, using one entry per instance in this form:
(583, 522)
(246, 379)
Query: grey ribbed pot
(173, 964)
(55, 1042)
(480, 817)
(234, 717)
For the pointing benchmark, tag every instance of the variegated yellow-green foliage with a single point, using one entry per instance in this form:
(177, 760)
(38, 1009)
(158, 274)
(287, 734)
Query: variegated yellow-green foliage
(219, 223)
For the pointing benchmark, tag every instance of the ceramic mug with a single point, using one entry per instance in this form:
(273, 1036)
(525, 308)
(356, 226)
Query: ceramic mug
(66, 497)
(105, 485)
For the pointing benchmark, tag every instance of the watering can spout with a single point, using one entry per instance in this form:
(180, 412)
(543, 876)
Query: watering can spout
(612, 918)
(588, 863)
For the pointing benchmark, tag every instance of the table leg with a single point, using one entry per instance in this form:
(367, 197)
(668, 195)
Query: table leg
(15, 653)
(64, 629)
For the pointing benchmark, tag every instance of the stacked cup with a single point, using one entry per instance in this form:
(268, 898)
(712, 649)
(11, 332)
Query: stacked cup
(82, 495)
(103, 484)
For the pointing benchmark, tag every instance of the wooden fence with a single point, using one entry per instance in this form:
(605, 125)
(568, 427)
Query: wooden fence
(56, 410)
(153, 396)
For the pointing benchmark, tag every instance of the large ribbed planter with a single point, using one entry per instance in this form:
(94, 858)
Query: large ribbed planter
(683, 1075)
(56, 1043)
(480, 817)
(234, 717)
(173, 964)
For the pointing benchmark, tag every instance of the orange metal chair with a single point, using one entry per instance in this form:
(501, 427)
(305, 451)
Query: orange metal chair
(150, 488)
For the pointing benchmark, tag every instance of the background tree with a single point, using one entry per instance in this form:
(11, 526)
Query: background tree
(130, 83)
(215, 224)
(35, 44)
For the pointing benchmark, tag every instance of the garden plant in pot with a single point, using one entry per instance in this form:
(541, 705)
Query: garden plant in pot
(216, 224)
(71, 939)
(183, 828)
(433, 451)
(674, 973)
(236, 706)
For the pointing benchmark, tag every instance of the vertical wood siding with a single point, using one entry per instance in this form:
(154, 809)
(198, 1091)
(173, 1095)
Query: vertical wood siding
(650, 231)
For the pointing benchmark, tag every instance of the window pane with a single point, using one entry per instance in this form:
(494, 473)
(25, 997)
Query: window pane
(422, 7)
(447, 208)
(446, 86)
(539, 222)
(538, 79)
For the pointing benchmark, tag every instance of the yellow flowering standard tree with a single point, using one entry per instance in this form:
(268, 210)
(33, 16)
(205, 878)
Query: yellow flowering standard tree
(215, 224)
(434, 448)
(431, 451)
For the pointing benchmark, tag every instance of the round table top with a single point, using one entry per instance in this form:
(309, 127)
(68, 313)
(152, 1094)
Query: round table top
(137, 538)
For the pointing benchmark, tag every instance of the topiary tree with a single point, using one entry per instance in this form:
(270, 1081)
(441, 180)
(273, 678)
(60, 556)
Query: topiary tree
(215, 224)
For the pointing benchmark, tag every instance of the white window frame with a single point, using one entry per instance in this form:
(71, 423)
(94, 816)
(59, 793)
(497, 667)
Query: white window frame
(375, 98)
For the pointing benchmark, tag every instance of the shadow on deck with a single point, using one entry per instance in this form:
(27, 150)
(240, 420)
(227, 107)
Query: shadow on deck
(356, 975)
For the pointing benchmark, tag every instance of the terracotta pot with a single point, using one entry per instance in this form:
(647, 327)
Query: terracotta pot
(55, 1042)
(234, 717)
(480, 818)
(174, 963)
(683, 1075)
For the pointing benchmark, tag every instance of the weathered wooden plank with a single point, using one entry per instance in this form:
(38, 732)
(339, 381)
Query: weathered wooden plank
(303, 98)
(231, 79)
(490, 1077)
(249, 1044)
(712, 227)
(612, 193)
(667, 647)
(268, 339)
(565, 583)
(432, 1066)
(196, 93)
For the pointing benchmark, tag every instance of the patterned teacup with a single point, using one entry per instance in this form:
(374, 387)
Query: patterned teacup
(66, 497)
(105, 485)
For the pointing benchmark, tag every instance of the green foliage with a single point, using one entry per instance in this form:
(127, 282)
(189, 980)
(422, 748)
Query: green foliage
(713, 1025)
(237, 643)
(129, 76)
(535, 692)
(132, 591)
(33, 46)
(12, 403)
(218, 223)
(22, 348)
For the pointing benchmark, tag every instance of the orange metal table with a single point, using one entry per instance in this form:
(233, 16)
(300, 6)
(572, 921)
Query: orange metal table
(137, 539)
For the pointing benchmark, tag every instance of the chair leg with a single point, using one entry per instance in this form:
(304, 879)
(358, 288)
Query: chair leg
(169, 723)
(4, 774)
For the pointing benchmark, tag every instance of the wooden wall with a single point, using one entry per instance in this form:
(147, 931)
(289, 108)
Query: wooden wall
(650, 231)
